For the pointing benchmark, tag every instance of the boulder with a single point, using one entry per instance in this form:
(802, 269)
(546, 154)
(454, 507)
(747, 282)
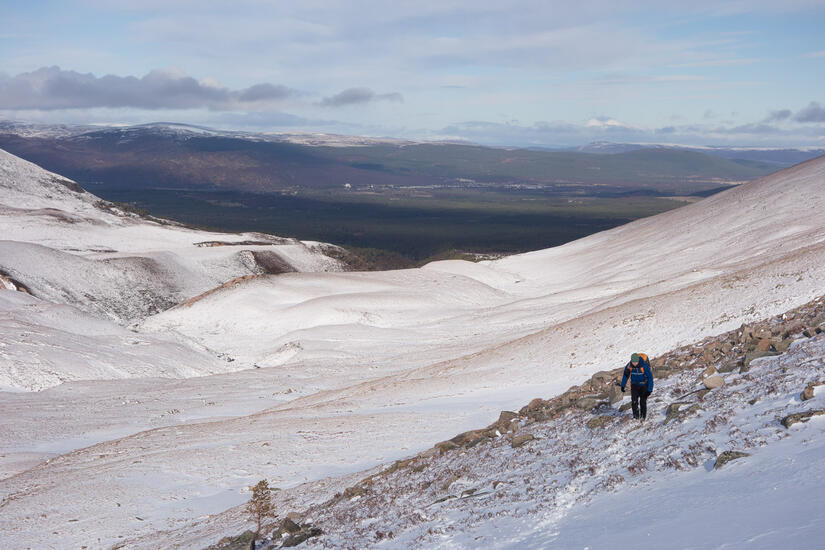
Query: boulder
(602, 378)
(792, 419)
(302, 536)
(764, 345)
(445, 446)
(598, 422)
(289, 526)
(520, 440)
(469, 439)
(505, 421)
(536, 403)
(506, 416)
(808, 392)
(726, 457)
(782, 345)
(731, 366)
(615, 394)
(713, 382)
(762, 333)
(752, 355)
(240, 542)
(710, 371)
(590, 402)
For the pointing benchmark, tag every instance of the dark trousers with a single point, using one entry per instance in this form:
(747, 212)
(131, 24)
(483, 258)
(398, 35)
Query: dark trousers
(638, 400)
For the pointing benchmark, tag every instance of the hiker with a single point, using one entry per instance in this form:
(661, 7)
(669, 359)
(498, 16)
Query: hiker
(641, 383)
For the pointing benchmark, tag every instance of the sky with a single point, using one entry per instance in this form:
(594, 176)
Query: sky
(529, 73)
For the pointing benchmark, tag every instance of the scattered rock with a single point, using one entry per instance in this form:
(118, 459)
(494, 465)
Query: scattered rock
(713, 382)
(625, 407)
(710, 371)
(792, 419)
(661, 372)
(702, 393)
(750, 356)
(615, 394)
(302, 536)
(535, 404)
(506, 416)
(289, 526)
(678, 410)
(598, 422)
(469, 439)
(590, 402)
(731, 366)
(783, 345)
(240, 542)
(520, 440)
(764, 345)
(445, 446)
(726, 457)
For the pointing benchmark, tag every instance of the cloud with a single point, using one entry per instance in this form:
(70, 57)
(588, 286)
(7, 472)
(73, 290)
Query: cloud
(265, 92)
(558, 134)
(814, 112)
(354, 96)
(51, 88)
(782, 114)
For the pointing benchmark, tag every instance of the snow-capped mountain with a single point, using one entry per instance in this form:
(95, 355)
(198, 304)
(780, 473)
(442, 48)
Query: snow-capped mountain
(356, 369)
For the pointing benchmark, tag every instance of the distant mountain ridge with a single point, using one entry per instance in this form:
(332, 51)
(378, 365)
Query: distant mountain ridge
(781, 156)
(164, 155)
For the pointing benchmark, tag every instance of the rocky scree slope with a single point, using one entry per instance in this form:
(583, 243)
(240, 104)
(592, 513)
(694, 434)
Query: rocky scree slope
(717, 401)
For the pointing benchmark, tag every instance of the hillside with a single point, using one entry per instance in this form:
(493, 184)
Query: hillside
(180, 156)
(66, 247)
(575, 470)
(360, 369)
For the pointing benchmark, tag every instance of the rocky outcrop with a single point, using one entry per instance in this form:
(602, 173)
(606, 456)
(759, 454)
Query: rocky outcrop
(726, 457)
(792, 419)
(520, 440)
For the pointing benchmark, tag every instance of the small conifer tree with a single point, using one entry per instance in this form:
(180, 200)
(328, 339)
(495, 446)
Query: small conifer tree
(260, 505)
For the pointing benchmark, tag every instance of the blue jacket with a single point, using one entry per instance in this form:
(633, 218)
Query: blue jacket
(641, 374)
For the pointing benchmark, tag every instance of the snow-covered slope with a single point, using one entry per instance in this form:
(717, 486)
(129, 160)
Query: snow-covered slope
(68, 246)
(598, 479)
(652, 284)
(358, 369)
(43, 344)
(564, 473)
